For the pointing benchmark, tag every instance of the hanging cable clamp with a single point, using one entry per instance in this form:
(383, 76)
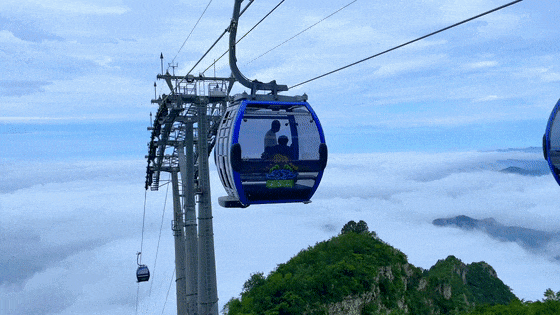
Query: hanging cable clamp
(176, 228)
(232, 26)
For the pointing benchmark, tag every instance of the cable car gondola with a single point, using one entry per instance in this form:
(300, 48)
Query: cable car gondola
(551, 143)
(269, 151)
(142, 273)
(270, 148)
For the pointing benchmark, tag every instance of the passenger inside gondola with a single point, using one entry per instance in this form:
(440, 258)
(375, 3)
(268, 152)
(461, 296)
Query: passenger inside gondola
(277, 154)
(270, 136)
(282, 148)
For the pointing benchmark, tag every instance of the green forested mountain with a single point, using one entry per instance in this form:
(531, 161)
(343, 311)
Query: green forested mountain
(357, 273)
(517, 307)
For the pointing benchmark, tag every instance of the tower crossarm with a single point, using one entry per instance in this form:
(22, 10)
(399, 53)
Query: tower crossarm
(177, 109)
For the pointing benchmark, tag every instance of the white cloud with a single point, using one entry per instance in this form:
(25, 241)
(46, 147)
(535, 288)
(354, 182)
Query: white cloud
(87, 219)
(79, 7)
(457, 10)
(118, 43)
(47, 119)
(393, 68)
(8, 37)
(488, 98)
(541, 74)
(501, 24)
(90, 211)
(93, 97)
(482, 64)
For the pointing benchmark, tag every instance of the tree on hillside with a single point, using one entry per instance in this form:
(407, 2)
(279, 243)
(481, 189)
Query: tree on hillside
(549, 305)
(550, 295)
(256, 280)
(353, 227)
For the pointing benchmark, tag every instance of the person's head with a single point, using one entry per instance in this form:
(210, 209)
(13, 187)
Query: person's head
(275, 125)
(283, 140)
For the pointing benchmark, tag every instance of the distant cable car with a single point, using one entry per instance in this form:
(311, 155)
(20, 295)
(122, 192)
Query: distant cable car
(269, 151)
(551, 143)
(142, 273)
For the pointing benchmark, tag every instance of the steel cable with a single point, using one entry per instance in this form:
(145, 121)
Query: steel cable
(216, 42)
(407, 43)
(245, 34)
(173, 61)
(289, 39)
(159, 239)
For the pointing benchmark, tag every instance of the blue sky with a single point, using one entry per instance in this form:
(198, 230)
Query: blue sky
(415, 135)
(96, 61)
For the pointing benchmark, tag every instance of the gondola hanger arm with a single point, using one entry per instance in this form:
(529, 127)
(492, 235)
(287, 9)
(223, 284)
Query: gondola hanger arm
(253, 85)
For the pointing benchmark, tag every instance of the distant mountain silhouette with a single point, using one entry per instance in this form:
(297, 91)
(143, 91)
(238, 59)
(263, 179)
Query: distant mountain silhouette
(526, 172)
(528, 238)
(528, 150)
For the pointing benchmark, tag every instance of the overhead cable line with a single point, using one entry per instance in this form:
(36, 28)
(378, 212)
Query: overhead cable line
(137, 295)
(168, 289)
(172, 61)
(186, 75)
(143, 224)
(245, 34)
(141, 246)
(159, 239)
(217, 40)
(289, 39)
(269, 13)
(408, 43)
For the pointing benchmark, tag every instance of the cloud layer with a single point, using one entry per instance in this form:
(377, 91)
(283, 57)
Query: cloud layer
(77, 79)
(72, 243)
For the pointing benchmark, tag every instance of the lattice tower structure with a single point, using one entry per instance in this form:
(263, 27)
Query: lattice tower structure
(183, 135)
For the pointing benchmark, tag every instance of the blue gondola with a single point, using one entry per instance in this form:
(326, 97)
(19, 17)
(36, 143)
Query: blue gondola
(269, 152)
(551, 143)
(142, 273)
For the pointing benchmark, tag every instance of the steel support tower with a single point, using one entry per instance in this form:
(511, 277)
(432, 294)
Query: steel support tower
(183, 135)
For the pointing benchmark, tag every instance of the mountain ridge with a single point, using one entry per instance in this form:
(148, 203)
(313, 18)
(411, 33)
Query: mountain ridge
(528, 238)
(357, 273)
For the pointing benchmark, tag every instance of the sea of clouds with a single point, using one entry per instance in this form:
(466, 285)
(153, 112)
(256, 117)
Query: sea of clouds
(72, 198)
(70, 230)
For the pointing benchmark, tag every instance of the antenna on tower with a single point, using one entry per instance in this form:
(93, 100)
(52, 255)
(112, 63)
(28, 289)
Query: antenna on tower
(161, 58)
